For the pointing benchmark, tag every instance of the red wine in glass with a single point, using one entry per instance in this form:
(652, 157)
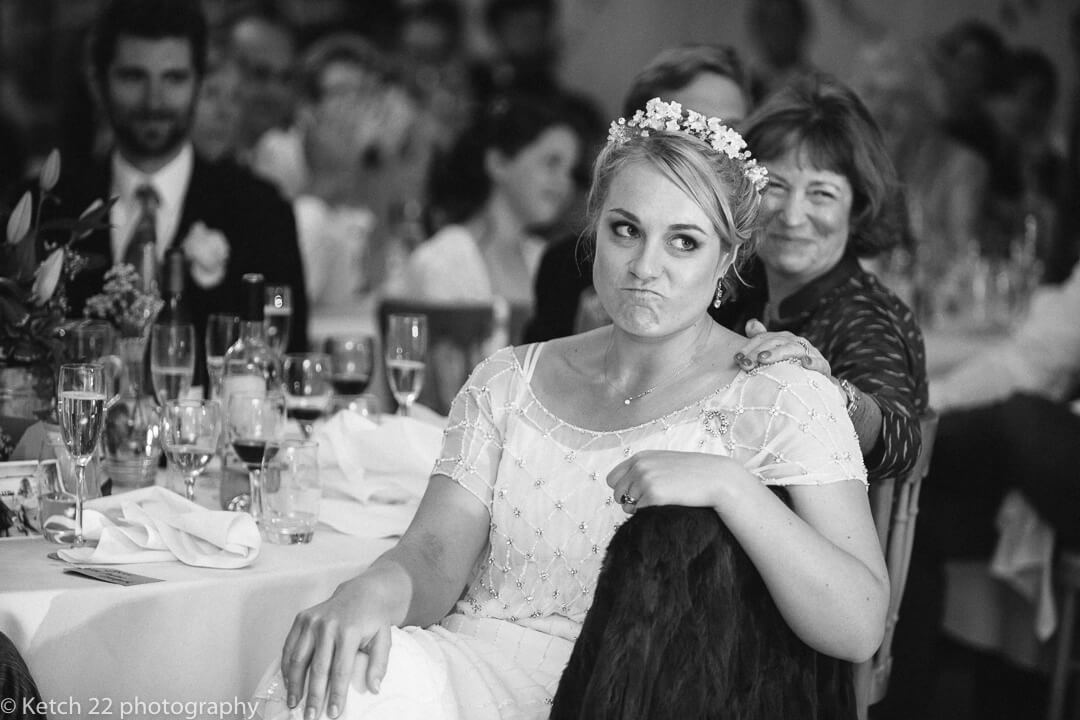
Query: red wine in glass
(351, 384)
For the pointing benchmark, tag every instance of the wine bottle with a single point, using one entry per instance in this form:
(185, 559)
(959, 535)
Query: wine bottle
(250, 364)
(143, 254)
(174, 312)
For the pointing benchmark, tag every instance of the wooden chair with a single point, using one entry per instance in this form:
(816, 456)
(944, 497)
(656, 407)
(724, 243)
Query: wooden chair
(894, 509)
(457, 334)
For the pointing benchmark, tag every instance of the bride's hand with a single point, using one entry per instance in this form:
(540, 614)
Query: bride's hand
(766, 348)
(672, 477)
(321, 648)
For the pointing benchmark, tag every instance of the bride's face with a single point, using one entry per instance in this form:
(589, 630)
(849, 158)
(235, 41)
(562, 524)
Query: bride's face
(658, 257)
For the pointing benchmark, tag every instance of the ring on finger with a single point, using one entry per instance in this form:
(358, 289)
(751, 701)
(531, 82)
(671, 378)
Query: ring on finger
(627, 499)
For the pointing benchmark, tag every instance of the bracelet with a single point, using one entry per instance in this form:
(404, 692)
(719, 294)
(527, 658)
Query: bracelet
(852, 395)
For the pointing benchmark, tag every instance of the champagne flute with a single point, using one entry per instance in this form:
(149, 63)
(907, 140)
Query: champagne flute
(253, 420)
(189, 435)
(406, 349)
(352, 360)
(172, 360)
(80, 405)
(308, 392)
(278, 311)
(222, 330)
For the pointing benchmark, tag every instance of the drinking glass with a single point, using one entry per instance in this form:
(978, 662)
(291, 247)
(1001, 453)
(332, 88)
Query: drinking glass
(308, 393)
(172, 360)
(189, 435)
(222, 330)
(278, 311)
(291, 491)
(352, 360)
(406, 350)
(80, 404)
(252, 420)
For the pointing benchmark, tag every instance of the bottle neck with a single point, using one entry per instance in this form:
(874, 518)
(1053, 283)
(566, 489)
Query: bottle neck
(253, 331)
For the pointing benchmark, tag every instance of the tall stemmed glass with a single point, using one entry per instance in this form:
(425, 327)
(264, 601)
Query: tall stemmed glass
(278, 311)
(252, 420)
(406, 352)
(222, 330)
(172, 360)
(80, 404)
(353, 363)
(190, 430)
(308, 392)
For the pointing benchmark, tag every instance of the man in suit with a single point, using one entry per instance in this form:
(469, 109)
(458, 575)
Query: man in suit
(148, 59)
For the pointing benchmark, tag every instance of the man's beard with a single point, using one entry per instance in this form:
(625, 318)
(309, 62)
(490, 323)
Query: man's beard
(136, 135)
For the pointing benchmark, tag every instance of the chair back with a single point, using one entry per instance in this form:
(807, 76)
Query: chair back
(457, 338)
(894, 510)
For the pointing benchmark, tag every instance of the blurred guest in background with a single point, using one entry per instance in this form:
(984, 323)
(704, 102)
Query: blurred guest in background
(148, 59)
(945, 181)
(262, 46)
(706, 78)
(780, 32)
(217, 113)
(832, 198)
(1006, 424)
(509, 173)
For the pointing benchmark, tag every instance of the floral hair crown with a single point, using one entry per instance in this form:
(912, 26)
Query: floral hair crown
(670, 117)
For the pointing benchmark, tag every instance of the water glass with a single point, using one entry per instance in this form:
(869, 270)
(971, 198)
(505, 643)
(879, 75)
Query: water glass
(365, 405)
(222, 330)
(278, 311)
(190, 430)
(80, 404)
(406, 355)
(172, 360)
(291, 492)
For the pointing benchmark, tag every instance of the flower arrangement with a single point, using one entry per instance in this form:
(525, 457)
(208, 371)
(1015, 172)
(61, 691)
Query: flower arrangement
(123, 303)
(36, 261)
(670, 117)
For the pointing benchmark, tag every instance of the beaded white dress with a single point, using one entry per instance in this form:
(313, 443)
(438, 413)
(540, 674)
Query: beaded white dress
(500, 652)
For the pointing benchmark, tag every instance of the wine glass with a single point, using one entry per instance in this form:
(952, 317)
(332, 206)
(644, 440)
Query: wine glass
(81, 394)
(278, 311)
(172, 360)
(189, 436)
(222, 330)
(406, 349)
(352, 360)
(308, 393)
(252, 420)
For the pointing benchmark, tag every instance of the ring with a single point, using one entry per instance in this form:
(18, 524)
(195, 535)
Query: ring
(627, 499)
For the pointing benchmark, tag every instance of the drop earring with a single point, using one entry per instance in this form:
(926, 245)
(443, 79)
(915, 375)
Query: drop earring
(719, 297)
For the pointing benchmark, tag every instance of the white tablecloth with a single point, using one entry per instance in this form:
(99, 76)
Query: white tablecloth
(200, 636)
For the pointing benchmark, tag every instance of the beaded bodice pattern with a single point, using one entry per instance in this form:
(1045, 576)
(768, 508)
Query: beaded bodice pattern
(543, 479)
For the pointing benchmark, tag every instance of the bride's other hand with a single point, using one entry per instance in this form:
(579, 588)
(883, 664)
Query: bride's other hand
(321, 649)
(765, 348)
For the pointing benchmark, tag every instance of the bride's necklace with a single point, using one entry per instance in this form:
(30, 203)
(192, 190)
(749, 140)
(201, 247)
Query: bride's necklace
(669, 379)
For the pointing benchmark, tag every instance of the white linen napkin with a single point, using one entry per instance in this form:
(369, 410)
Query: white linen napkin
(385, 463)
(1024, 558)
(156, 525)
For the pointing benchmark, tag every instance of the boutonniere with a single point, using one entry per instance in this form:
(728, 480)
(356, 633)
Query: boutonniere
(207, 251)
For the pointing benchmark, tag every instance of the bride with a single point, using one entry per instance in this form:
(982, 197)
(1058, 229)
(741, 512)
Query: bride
(551, 447)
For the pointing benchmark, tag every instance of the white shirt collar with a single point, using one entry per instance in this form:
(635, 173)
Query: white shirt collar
(170, 183)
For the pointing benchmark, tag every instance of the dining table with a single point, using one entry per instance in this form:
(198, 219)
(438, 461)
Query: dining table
(196, 643)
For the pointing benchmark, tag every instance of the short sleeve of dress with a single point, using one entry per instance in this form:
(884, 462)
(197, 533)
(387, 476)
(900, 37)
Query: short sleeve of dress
(790, 427)
(473, 438)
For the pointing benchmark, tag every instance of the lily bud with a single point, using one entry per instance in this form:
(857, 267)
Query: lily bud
(47, 277)
(19, 220)
(50, 171)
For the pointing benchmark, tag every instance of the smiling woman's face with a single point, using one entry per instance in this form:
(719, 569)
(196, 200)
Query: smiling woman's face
(658, 257)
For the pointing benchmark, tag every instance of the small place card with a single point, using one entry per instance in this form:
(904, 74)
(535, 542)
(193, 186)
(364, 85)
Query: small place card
(110, 575)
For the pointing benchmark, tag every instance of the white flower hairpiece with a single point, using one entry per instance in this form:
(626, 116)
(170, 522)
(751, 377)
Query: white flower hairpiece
(670, 117)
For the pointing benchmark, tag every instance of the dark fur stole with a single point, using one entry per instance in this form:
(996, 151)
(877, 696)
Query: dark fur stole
(682, 626)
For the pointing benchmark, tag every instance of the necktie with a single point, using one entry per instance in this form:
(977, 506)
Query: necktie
(142, 250)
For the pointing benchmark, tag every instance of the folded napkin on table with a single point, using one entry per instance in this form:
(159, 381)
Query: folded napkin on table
(385, 463)
(155, 525)
(1024, 558)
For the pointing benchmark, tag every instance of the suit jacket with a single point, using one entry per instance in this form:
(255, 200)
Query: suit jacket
(255, 220)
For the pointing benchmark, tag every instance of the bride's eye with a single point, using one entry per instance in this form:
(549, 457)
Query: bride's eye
(684, 243)
(623, 229)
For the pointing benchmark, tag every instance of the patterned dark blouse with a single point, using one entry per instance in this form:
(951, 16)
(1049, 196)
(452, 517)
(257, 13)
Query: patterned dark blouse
(870, 338)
